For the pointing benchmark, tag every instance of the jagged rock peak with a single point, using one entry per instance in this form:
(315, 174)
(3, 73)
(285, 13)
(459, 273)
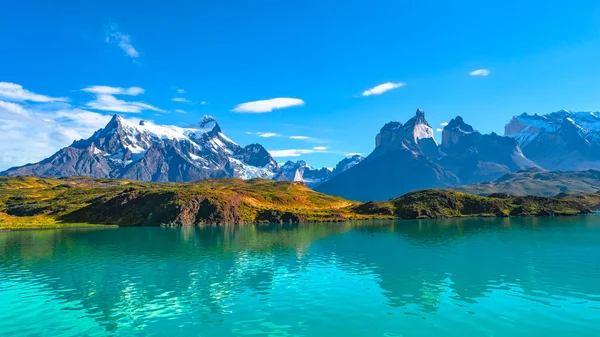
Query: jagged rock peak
(115, 122)
(458, 123)
(420, 116)
(208, 123)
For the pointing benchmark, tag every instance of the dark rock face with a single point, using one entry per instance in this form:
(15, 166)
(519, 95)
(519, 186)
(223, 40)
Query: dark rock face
(136, 208)
(256, 155)
(273, 216)
(474, 157)
(150, 152)
(560, 140)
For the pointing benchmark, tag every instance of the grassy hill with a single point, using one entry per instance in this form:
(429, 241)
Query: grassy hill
(29, 202)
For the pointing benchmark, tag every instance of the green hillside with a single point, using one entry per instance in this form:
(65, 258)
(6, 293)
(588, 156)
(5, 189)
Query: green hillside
(29, 202)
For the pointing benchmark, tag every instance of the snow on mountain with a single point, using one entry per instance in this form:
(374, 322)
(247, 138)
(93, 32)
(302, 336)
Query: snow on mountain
(151, 152)
(560, 140)
(301, 171)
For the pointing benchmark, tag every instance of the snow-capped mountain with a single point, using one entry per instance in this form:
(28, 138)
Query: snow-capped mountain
(301, 171)
(561, 140)
(346, 164)
(151, 152)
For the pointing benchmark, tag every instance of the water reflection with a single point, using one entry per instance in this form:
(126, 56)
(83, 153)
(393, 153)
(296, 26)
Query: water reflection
(150, 280)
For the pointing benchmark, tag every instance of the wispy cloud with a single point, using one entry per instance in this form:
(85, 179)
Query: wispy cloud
(439, 130)
(106, 101)
(16, 92)
(264, 134)
(13, 108)
(180, 91)
(32, 133)
(114, 36)
(480, 72)
(111, 103)
(296, 152)
(444, 123)
(102, 89)
(179, 111)
(300, 137)
(353, 154)
(181, 100)
(267, 105)
(380, 89)
(268, 134)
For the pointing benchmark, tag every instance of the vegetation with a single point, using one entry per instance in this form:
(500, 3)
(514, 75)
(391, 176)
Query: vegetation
(30, 202)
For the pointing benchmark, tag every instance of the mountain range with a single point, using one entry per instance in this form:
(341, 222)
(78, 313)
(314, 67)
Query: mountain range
(165, 153)
(561, 140)
(406, 156)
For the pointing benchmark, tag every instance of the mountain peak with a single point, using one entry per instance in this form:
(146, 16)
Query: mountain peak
(459, 124)
(208, 123)
(206, 119)
(420, 117)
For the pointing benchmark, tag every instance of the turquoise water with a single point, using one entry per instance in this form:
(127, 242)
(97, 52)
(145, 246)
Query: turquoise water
(473, 277)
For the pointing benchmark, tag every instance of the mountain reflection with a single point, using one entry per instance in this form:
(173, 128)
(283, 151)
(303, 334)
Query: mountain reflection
(128, 276)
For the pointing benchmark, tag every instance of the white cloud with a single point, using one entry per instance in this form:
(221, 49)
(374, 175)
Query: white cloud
(480, 72)
(296, 152)
(444, 124)
(180, 99)
(15, 92)
(353, 154)
(439, 130)
(13, 108)
(290, 152)
(179, 111)
(102, 89)
(106, 101)
(114, 36)
(267, 105)
(300, 137)
(180, 91)
(203, 103)
(264, 134)
(34, 134)
(268, 134)
(380, 89)
(111, 103)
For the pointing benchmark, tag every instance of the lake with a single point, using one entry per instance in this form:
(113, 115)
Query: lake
(467, 277)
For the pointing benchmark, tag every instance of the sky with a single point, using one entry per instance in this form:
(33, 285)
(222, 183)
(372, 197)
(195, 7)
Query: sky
(309, 80)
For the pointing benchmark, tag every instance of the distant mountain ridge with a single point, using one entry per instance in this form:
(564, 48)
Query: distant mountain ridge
(162, 153)
(561, 140)
(538, 182)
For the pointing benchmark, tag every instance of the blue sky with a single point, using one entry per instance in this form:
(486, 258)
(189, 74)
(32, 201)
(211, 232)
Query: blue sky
(541, 56)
